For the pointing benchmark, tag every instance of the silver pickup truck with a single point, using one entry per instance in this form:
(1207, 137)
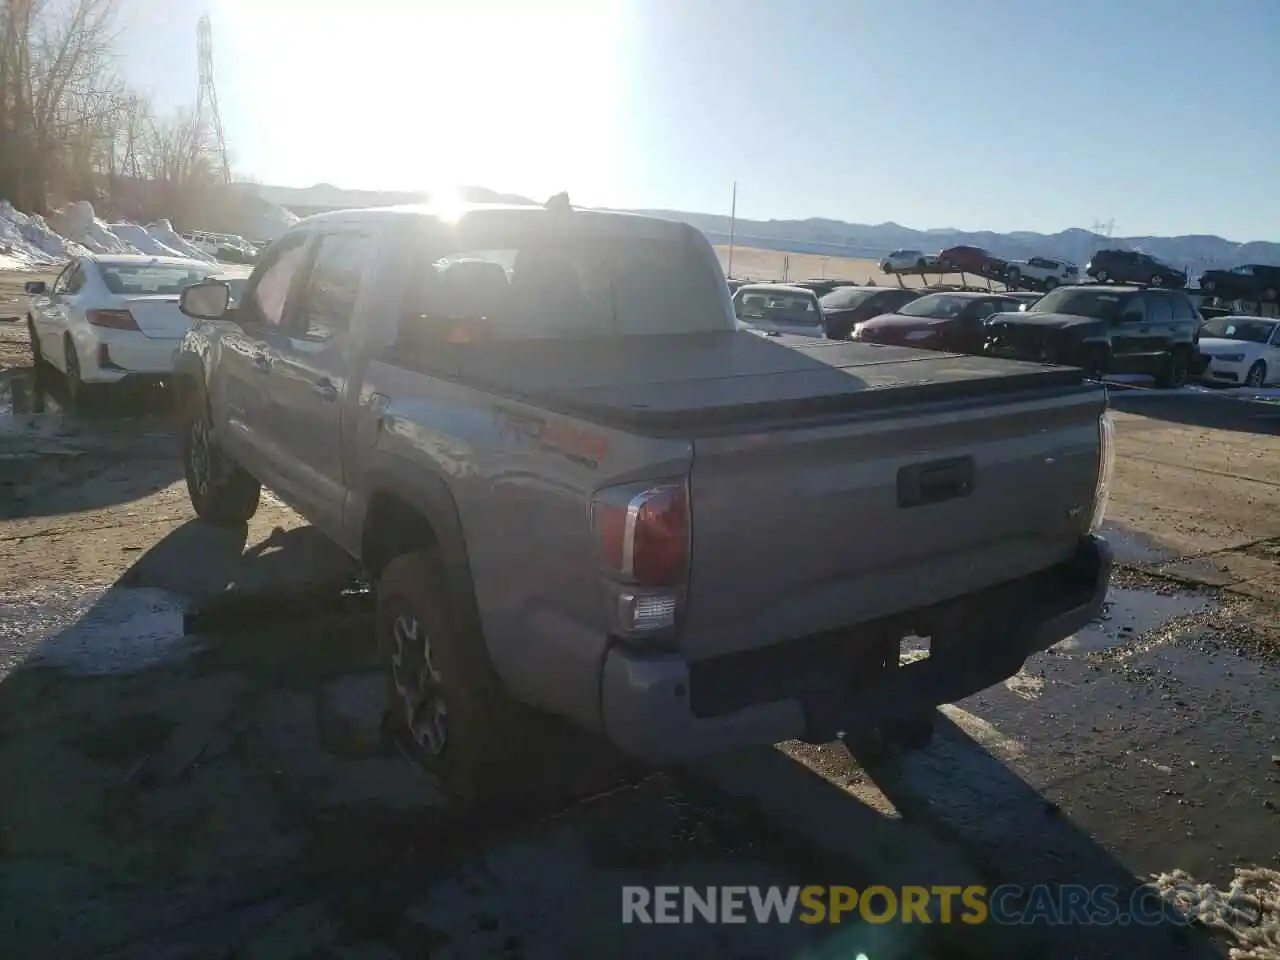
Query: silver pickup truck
(580, 486)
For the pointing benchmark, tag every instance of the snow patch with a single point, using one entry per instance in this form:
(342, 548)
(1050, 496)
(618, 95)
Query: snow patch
(1248, 911)
(162, 232)
(138, 238)
(78, 222)
(28, 243)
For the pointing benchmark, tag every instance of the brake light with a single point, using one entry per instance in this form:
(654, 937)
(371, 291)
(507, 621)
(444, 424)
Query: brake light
(111, 319)
(643, 532)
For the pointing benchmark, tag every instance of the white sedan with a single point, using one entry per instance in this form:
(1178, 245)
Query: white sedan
(110, 318)
(1241, 350)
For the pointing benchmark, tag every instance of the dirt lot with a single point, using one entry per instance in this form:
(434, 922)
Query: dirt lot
(193, 764)
(757, 264)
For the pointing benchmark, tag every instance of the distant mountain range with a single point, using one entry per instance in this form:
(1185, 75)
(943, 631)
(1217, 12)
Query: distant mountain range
(836, 238)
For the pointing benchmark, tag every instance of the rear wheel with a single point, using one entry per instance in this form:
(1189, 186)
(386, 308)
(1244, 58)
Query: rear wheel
(1157, 280)
(221, 491)
(37, 354)
(1257, 375)
(77, 389)
(1014, 277)
(1176, 370)
(1102, 276)
(1269, 293)
(446, 705)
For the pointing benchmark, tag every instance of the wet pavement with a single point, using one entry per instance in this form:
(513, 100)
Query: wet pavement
(194, 762)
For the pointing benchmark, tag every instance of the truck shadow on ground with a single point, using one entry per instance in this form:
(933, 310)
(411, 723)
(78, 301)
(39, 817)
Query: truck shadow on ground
(1197, 409)
(197, 751)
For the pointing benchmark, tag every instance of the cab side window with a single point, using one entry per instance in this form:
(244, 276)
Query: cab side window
(332, 287)
(269, 287)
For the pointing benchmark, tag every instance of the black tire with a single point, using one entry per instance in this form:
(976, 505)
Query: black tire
(1176, 370)
(886, 267)
(1050, 283)
(77, 389)
(1269, 293)
(446, 705)
(1102, 276)
(222, 492)
(1096, 362)
(1157, 280)
(1013, 278)
(1257, 375)
(37, 354)
(1210, 285)
(920, 264)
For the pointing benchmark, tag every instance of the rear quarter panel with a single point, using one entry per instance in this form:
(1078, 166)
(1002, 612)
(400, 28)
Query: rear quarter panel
(522, 479)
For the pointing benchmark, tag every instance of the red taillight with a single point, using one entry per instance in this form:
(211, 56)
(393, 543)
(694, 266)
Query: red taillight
(112, 319)
(644, 532)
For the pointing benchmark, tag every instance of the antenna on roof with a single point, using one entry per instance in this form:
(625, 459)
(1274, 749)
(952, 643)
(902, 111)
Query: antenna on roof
(559, 202)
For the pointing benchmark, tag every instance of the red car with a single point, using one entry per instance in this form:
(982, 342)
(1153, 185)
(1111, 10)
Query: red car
(972, 260)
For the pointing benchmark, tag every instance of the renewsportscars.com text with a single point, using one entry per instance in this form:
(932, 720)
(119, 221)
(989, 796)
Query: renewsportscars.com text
(1064, 904)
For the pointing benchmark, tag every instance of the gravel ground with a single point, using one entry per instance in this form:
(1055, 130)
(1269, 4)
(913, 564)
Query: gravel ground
(217, 785)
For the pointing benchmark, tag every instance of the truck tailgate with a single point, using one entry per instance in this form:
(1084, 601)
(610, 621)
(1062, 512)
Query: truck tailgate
(830, 522)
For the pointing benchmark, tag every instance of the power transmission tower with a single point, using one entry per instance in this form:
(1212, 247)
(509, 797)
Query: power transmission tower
(207, 99)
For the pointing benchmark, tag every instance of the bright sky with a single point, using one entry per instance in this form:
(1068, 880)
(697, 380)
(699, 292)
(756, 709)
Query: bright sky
(990, 114)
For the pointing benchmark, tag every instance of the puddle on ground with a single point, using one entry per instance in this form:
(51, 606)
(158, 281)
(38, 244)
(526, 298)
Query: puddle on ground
(27, 409)
(1133, 547)
(1130, 614)
(92, 632)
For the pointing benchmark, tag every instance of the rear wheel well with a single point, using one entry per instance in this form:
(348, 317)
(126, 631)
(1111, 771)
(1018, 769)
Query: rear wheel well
(392, 528)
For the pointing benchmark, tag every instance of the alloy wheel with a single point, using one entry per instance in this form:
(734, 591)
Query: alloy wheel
(418, 685)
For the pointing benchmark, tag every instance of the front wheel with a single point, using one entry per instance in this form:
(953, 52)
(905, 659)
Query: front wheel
(1269, 293)
(1102, 276)
(1176, 371)
(1257, 375)
(920, 265)
(1095, 362)
(1050, 283)
(221, 491)
(1157, 280)
(77, 389)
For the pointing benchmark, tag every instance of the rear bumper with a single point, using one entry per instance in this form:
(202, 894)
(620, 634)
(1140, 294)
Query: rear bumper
(110, 356)
(665, 708)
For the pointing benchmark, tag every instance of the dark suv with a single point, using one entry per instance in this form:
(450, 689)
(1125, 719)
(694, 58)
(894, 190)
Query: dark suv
(845, 308)
(1112, 329)
(1253, 281)
(1129, 266)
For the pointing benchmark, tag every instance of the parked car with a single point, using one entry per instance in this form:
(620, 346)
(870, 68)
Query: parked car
(822, 287)
(967, 259)
(779, 308)
(1253, 282)
(847, 307)
(1111, 329)
(1241, 350)
(225, 247)
(108, 319)
(579, 487)
(1129, 266)
(1041, 273)
(937, 321)
(1022, 298)
(908, 261)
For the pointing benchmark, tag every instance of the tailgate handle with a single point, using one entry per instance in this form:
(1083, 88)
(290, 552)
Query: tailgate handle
(935, 482)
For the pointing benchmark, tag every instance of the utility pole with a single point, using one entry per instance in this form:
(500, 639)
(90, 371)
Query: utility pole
(733, 217)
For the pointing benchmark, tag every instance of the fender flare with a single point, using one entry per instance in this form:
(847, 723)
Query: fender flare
(427, 492)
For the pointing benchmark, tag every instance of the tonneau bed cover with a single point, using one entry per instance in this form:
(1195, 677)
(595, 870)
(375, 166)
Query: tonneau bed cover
(688, 381)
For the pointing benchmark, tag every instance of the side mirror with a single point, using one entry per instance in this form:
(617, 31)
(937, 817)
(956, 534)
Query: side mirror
(35, 287)
(206, 301)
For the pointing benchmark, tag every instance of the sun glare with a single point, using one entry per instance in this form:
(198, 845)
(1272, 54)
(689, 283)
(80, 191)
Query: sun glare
(505, 94)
